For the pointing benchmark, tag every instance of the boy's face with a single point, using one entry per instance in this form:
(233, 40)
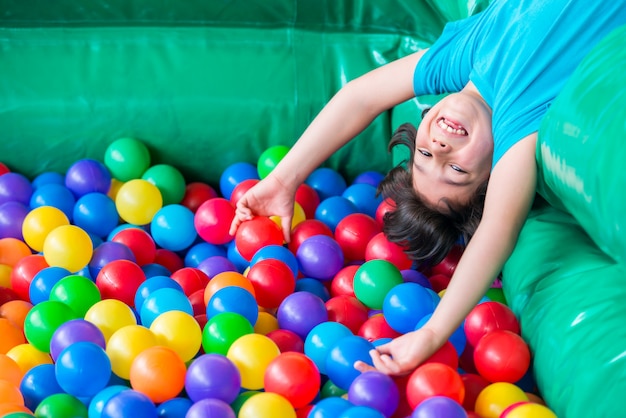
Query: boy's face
(453, 150)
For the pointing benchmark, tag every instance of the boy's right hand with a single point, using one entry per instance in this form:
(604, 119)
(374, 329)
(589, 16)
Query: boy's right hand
(269, 197)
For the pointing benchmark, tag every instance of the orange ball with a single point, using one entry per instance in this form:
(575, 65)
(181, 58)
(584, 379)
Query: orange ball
(9, 408)
(10, 370)
(224, 279)
(159, 373)
(11, 334)
(13, 250)
(16, 311)
(9, 393)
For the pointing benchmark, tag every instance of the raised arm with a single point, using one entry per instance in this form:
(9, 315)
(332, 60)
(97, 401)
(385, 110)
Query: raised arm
(348, 113)
(509, 196)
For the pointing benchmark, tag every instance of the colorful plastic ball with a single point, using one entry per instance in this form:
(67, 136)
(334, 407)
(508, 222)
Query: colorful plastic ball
(300, 312)
(97, 402)
(190, 279)
(38, 383)
(120, 280)
(448, 265)
(387, 205)
(273, 280)
(169, 259)
(174, 408)
(12, 251)
(61, 405)
(212, 220)
(307, 229)
(196, 193)
(83, 369)
(495, 398)
(24, 271)
(502, 356)
(241, 189)
(489, 316)
(159, 373)
(528, 410)
(213, 376)
(201, 251)
(235, 174)
(375, 390)
(308, 199)
(43, 320)
(172, 227)
(267, 405)
(405, 304)
(255, 234)
(373, 280)
(69, 247)
(4, 169)
(333, 210)
(161, 301)
(265, 323)
(77, 292)
(110, 315)
(434, 379)
(225, 279)
(270, 158)
(12, 335)
(457, 338)
(127, 158)
(298, 216)
(233, 299)
(252, 353)
(379, 247)
(124, 346)
(178, 331)
(96, 214)
(287, 341)
(317, 287)
(326, 182)
(343, 282)
(439, 406)
(88, 176)
(137, 201)
(152, 284)
(354, 232)
(28, 356)
(215, 265)
(129, 403)
(75, 331)
(294, 376)
(54, 195)
(169, 180)
(10, 371)
(233, 254)
(321, 339)
(342, 356)
(376, 327)
(139, 242)
(347, 310)
(210, 408)
(474, 384)
(48, 177)
(222, 330)
(44, 281)
(330, 407)
(364, 197)
(414, 276)
(373, 178)
(15, 187)
(278, 252)
(320, 257)
(12, 215)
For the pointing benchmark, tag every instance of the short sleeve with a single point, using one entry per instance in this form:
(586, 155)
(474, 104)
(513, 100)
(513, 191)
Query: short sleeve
(447, 64)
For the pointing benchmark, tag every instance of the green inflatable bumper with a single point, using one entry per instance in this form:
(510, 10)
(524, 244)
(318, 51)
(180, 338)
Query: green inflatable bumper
(566, 279)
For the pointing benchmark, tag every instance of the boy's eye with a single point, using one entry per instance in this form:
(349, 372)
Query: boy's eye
(425, 153)
(457, 168)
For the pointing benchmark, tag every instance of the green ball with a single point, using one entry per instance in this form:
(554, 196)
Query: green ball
(329, 390)
(169, 180)
(241, 398)
(18, 415)
(270, 159)
(222, 330)
(373, 280)
(127, 159)
(77, 292)
(61, 405)
(42, 321)
(496, 294)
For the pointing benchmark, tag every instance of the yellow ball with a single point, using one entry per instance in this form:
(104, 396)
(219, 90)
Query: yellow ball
(137, 201)
(298, 216)
(39, 222)
(496, 397)
(115, 187)
(69, 247)
(127, 343)
(531, 410)
(267, 405)
(252, 353)
(5, 275)
(179, 331)
(27, 356)
(265, 323)
(109, 315)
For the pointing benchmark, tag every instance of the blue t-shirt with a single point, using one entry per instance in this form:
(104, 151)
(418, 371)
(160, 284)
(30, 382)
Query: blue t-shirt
(519, 54)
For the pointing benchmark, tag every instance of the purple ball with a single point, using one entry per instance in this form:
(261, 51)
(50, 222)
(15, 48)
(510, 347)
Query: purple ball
(210, 408)
(12, 216)
(320, 257)
(106, 252)
(15, 187)
(70, 332)
(375, 390)
(415, 276)
(439, 407)
(216, 264)
(88, 176)
(300, 312)
(372, 178)
(212, 376)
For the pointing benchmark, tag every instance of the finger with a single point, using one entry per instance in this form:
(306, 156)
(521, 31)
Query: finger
(390, 364)
(286, 225)
(379, 364)
(234, 225)
(363, 366)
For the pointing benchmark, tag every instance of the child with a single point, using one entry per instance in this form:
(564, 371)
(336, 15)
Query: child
(505, 65)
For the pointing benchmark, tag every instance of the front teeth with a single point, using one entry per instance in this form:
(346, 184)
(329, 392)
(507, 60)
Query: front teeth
(443, 125)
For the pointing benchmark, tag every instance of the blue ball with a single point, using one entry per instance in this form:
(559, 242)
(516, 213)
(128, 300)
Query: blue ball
(96, 213)
(201, 251)
(173, 228)
(333, 209)
(48, 177)
(83, 369)
(361, 412)
(152, 284)
(341, 358)
(173, 408)
(373, 178)
(277, 252)
(405, 304)
(326, 182)
(330, 407)
(233, 299)
(37, 384)
(97, 402)
(235, 174)
(119, 228)
(458, 339)
(364, 198)
(235, 257)
(155, 269)
(161, 301)
(321, 339)
(44, 281)
(56, 195)
(129, 403)
(308, 284)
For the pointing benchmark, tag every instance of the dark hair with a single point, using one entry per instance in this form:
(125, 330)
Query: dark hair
(426, 234)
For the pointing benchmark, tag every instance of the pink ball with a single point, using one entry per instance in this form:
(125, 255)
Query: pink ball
(212, 220)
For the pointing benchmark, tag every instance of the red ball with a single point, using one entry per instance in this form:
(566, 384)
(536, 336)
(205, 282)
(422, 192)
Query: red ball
(445, 355)
(354, 232)
(139, 242)
(168, 259)
(489, 316)
(376, 328)
(502, 356)
(343, 282)
(439, 282)
(387, 205)
(308, 199)
(379, 247)
(24, 272)
(434, 379)
(347, 310)
(212, 220)
(196, 194)
(191, 280)
(272, 280)
(306, 229)
(294, 376)
(197, 302)
(474, 384)
(4, 169)
(286, 340)
(120, 279)
(7, 295)
(241, 189)
(447, 266)
(255, 234)
(466, 359)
